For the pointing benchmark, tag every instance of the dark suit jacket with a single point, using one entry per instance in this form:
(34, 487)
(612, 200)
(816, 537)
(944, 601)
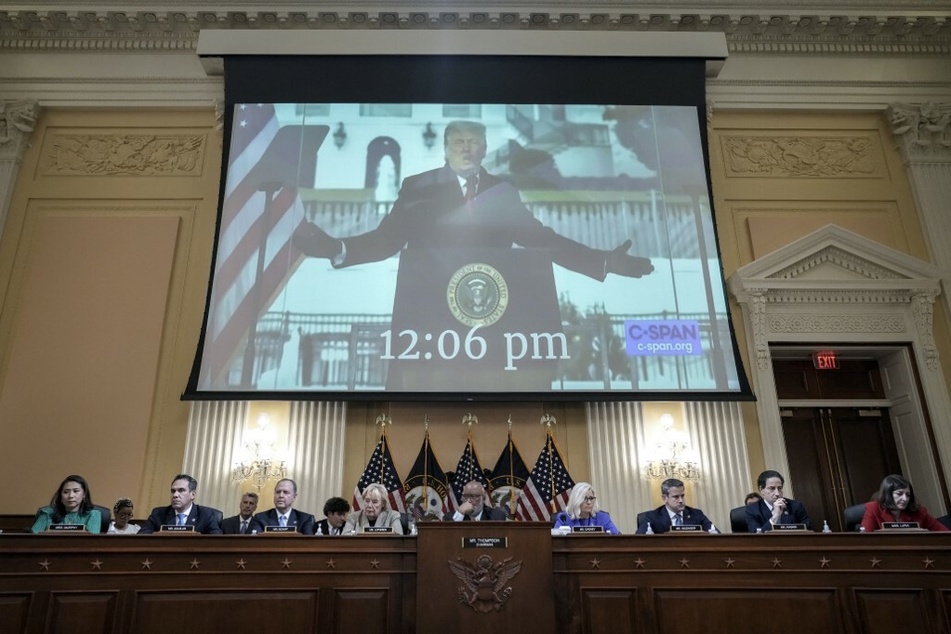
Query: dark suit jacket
(203, 518)
(303, 521)
(232, 525)
(757, 515)
(659, 519)
(323, 528)
(489, 514)
(430, 212)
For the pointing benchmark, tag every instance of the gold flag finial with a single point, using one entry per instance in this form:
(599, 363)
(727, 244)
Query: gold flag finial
(470, 419)
(383, 420)
(510, 422)
(426, 422)
(548, 420)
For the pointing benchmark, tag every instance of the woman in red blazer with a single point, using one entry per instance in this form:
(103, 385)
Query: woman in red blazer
(896, 503)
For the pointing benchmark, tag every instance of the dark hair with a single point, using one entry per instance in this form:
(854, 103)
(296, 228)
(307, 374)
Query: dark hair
(753, 496)
(250, 494)
(669, 484)
(766, 475)
(336, 505)
(892, 483)
(192, 482)
(122, 503)
(59, 509)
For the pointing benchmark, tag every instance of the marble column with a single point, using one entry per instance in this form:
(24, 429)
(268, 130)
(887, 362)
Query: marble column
(17, 119)
(923, 132)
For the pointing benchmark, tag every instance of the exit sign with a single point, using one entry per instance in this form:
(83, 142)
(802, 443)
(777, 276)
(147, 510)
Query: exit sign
(825, 360)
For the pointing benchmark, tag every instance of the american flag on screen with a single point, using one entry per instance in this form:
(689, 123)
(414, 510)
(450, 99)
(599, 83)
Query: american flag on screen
(381, 469)
(467, 470)
(547, 489)
(261, 208)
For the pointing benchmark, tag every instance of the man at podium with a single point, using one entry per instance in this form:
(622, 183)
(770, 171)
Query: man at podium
(457, 228)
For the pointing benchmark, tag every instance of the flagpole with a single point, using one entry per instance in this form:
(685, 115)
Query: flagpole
(514, 500)
(548, 420)
(426, 461)
(383, 420)
(469, 419)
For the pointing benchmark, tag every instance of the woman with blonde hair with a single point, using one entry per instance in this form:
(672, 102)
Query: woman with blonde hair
(582, 510)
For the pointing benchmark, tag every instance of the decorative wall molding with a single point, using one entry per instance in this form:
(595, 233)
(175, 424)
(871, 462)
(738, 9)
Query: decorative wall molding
(802, 156)
(125, 155)
(923, 131)
(790, 34)
(836, 288)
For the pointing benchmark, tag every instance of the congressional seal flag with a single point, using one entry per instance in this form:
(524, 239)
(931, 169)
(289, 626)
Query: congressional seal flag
(508, 477)
(546, 491)
(381, 469)
(426, 488)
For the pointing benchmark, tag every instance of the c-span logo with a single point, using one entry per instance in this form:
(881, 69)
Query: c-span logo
(477, 295)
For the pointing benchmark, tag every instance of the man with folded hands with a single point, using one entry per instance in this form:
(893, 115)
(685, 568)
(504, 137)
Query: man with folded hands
(674, 512)
(183, 512)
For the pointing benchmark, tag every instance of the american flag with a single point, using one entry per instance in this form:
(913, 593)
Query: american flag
(508, 477)
(426, 486)
(548, 485)
(467, 470)
(261, 209)
(381, 469)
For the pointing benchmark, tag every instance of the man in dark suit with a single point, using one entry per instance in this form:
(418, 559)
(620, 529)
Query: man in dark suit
(241, 524)
(335, 510)
(473, 508)
(443, 222)
(284, 514)
(774, 508)
(183, 511)
(674, 511)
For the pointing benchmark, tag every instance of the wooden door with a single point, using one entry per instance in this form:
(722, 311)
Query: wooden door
(837, 457)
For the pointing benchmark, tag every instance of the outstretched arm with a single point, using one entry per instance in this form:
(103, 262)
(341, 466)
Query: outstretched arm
(620, 262)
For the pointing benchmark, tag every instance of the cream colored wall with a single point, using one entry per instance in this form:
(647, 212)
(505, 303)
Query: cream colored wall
(105, 257)
(103, 261)
(778, 176)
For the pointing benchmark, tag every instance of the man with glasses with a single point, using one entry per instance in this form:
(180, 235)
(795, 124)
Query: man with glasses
(473, 508)
(674, 512)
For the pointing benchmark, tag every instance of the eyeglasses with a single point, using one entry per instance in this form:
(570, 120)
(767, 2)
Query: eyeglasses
(471, 496)
(590, 498)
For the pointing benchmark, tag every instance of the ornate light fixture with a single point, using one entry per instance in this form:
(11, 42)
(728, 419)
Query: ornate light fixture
(672, 456)
(429, 136)
(340, 135)
(260, 463)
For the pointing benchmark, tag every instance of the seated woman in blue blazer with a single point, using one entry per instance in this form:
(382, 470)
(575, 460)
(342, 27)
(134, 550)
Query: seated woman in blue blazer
(71, 504)
(582, 510)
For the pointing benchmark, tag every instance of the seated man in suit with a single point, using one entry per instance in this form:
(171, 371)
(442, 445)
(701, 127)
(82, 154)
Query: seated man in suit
(473, 508)
(240, 524)
(674, 512)
(283, 513)
(335, 510)
(774, 508)
(183, 511)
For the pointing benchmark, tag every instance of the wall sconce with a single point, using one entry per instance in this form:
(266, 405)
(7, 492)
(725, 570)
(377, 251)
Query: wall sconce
(261, 462)
(340, 135)
(429, 136)
(672, 456)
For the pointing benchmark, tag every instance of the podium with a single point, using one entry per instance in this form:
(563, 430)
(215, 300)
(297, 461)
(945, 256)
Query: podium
(483, 577)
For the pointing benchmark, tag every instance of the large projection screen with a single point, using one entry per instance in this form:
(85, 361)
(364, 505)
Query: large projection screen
(351, 262)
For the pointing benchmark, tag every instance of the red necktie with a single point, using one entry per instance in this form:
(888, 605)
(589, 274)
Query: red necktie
(471, 184)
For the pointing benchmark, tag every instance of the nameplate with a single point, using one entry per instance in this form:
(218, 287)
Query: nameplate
(280, 530)
(67, 528)
(485, 542)
(587, 529)
(789, 527)
(378, 529)
(686, 528)
(175, 528)
(893, 525)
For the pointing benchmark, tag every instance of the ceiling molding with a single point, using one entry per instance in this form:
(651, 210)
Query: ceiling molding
(800, 34)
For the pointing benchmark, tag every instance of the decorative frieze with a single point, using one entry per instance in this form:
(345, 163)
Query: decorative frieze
(125, 155)
(799, 156)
